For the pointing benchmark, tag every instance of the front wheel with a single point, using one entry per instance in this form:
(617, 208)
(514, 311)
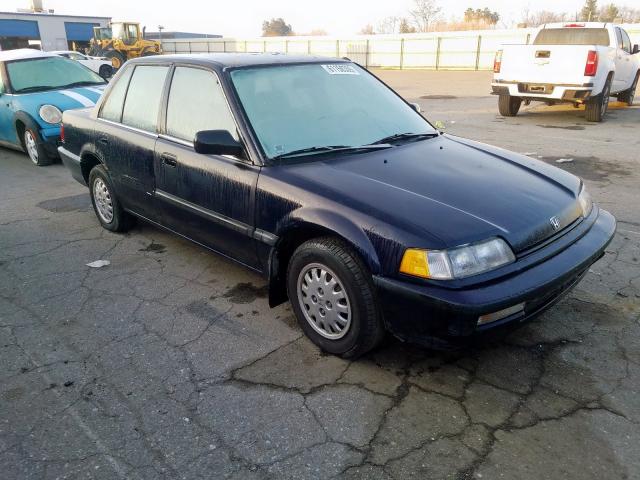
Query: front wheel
(333, 298)
(34, 149)
(117, 59)
(508, 106)
(105, 71)
(597, 106)
(105, 203)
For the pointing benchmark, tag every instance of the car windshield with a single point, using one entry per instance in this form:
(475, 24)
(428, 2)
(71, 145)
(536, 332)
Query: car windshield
(298, 107)
(48, 73)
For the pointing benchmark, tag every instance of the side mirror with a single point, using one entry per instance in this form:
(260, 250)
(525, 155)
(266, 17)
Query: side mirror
(416, 107)
(217, 142)
(635, 49)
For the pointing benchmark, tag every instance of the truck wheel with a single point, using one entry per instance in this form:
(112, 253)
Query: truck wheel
(333, 298)
(628, 95)
(597, 106)
(117, 58)
(105, 71)
(508, 106)
(105, 203)
(34, 149)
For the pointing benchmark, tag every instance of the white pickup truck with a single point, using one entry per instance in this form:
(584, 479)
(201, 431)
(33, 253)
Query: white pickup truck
(579, 63)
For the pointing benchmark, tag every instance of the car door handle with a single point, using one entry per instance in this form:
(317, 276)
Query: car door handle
(103, 141)
(169, 159)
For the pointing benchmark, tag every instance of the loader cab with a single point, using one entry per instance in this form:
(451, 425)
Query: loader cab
(129, 33)
(101, 33)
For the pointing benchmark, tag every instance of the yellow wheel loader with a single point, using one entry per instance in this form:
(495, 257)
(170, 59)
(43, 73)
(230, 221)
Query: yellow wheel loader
(121, 41)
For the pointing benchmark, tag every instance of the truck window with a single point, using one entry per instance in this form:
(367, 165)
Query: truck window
(196, 102)
(618, 37)
(112, 107)
(142, 102)
(626, 41)
(572, 36)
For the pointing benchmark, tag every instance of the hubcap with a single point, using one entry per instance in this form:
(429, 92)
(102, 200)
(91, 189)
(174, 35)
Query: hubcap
(102, 197)
(32, 148)
(324, 301)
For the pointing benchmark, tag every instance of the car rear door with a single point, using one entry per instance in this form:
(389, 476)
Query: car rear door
(208, 198)
(126, 135)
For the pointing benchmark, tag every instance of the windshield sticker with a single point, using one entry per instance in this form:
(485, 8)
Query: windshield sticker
(340, 69)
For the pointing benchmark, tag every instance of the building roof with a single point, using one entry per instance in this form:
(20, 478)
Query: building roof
(20, 53)
(44, 14)
(235, 60)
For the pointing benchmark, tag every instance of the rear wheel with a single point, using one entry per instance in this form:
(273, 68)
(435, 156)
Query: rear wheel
(34, 149)
(105, 203)
(333, 297)
(628, 95)
(597, 106)
(508, 106)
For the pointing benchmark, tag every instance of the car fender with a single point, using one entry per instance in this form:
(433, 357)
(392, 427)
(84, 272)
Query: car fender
(29, 122)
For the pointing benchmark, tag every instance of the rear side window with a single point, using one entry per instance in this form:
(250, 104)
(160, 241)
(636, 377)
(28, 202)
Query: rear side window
(142, 102)
(573, 36)
(112, 108)
(196, 102)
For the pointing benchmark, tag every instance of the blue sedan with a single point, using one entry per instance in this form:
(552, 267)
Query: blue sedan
(35, 88)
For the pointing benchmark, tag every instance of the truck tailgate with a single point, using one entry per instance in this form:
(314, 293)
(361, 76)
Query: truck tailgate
(559, 64)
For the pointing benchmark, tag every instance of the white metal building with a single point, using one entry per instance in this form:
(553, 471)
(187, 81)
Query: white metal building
(47, 31)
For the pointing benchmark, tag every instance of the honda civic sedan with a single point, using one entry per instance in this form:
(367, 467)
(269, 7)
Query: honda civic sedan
(354, 207)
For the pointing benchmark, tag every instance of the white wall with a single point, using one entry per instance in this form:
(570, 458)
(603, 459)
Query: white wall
(52, 32)
(467, 50)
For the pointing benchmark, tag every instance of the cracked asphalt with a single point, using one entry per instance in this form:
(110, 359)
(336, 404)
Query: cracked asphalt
(169, 364)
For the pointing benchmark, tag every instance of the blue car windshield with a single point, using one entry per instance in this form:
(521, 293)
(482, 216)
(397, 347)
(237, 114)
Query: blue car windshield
(297, 107)
(48, 73)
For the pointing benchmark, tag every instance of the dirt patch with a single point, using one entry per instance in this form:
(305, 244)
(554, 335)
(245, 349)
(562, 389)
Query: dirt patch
(589, 168)
(438, 97)
(154, 248)
(203, 309)
(246, 293)
(73, 203)
(563, 127)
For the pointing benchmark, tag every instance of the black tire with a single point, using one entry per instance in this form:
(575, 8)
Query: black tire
(366, 328)
(596, 107)
(628, 95)
(32, 146)
(105, 71)
(508, 106)
(117, 59)
(121, 221)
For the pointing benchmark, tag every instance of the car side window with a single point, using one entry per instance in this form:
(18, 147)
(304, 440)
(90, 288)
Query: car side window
(112, 107)
(618, 37)
(142, 102)
(197, 102)
(626, 41)
(1, 83)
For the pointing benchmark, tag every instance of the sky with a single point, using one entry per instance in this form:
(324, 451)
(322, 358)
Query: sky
(243, 18)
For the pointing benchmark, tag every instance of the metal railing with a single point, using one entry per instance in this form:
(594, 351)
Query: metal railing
(468, 50)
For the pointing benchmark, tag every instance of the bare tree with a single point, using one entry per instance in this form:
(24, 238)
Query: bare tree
(388, 25)
(541, 17)
(367, 30)
(424, 13)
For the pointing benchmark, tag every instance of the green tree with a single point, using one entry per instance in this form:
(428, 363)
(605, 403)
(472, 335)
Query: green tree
(590, 11)
(276, 27)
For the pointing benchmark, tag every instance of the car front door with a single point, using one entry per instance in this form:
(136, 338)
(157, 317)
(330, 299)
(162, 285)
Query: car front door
(209, 198)
(127, 132)
(7, 128)
(623, 61)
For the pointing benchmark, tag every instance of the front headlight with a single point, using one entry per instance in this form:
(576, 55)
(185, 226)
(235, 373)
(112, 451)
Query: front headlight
(457, 262)
(50, 114)
(586, 204)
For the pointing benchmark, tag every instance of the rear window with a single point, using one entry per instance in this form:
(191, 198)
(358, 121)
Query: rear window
(573, 36)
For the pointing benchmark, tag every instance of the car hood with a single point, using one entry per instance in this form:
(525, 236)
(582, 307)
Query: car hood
(64, 99)
(453, 190)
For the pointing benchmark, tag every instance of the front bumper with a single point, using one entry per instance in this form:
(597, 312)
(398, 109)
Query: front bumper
(49, 139)
(436, 317)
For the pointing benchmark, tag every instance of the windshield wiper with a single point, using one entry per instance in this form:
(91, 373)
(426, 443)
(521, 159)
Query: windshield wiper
(35, 88)
(328, 148)
(81, 84)
(408, 135)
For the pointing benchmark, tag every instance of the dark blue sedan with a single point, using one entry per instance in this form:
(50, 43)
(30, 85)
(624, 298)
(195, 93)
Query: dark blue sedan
(316, 174)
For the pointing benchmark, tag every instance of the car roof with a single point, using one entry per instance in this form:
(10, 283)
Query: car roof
(62, 51)
(574, 24)
(236, 60)
(21, 53)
